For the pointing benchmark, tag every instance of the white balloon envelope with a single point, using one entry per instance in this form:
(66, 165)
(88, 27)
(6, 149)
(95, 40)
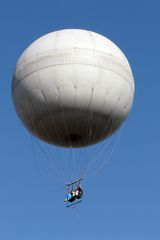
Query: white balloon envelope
(73, 88)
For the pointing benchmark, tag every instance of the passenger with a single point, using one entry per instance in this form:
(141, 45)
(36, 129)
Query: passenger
(79, 192)
(70, 197)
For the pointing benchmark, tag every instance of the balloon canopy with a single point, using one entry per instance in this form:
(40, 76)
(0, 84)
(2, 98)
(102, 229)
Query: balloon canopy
(73, 88)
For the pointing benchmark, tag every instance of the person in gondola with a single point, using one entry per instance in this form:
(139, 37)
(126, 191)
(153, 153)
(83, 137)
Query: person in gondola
(79, 192)
(70, 197)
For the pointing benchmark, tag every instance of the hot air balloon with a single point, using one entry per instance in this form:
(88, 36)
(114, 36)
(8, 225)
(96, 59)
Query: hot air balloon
(73, 88)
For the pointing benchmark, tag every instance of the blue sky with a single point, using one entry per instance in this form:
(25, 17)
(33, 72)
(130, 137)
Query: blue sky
(121, 203)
